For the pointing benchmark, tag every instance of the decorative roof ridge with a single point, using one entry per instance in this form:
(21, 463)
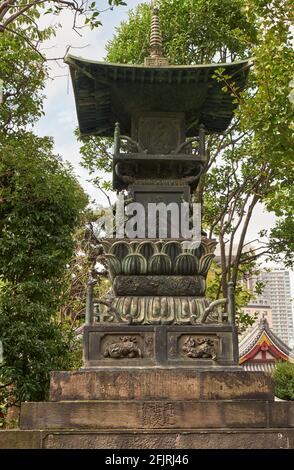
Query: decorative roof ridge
(279, 343)
(69, 57)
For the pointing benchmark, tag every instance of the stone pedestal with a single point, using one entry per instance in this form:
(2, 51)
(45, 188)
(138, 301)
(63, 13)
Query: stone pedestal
(156, 408)
(156, 384)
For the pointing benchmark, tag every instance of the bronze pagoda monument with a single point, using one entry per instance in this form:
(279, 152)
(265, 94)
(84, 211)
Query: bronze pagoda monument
(159, 115)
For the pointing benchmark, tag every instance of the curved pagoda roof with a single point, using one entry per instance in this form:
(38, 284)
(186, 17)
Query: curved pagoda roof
(106, 93)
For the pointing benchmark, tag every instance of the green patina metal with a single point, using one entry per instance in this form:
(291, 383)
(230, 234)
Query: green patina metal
(106, 93)
(158, 115)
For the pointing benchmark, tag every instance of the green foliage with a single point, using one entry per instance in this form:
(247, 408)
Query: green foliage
(194, 31)
(283, 378)
(250, 164)
(41, 202)
(242, 295)
(40, 206)
(90, 147)
(23, 73)
(268, 112)
(79, 269)
(243, 298)
(21, 20)
(282, 238)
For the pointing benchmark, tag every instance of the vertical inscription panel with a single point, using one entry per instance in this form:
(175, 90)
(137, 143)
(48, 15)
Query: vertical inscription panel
(160, 133)
(158, 415)
(146, 194)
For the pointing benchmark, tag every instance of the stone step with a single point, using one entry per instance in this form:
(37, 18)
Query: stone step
(160, 384)
(156, 415)
(153, 439)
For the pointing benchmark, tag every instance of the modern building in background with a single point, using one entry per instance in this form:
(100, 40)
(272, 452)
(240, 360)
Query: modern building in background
(274, 304)
(276, 295)
(259, 311)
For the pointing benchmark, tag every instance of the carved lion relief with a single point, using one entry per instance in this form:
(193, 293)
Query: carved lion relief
(200, 348)
(125, 348)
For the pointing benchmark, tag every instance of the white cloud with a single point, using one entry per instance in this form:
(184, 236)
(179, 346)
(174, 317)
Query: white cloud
(65, 119)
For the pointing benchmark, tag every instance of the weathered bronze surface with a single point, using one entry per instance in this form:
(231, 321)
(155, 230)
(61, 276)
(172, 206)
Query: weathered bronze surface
(107, 93)
(200, 345)
(125, 347)
(158, 281)
(152, 285)
(203, 347)
(159, 115)
(157, 310)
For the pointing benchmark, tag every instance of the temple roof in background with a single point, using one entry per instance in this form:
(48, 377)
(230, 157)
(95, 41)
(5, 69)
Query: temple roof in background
(262, 348)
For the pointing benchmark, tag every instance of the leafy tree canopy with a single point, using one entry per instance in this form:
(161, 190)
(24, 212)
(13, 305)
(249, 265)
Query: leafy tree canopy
(23, 75)
(194, 31)
(40, 206)
(21, 18)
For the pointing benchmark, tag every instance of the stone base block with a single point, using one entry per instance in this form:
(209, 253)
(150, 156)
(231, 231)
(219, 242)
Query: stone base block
(155, 439)
(16, 439)
(199, 439)
(160, 384)
(156, 415)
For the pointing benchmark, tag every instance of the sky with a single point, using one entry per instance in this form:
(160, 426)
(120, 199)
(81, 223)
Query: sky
(60, 120)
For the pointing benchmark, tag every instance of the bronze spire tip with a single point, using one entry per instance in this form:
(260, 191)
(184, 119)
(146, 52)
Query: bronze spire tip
(156, 58)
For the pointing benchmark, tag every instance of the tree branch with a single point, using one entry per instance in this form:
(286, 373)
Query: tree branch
(28, 41)
(242, 238)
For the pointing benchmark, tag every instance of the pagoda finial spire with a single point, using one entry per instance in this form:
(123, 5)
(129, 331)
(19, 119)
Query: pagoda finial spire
(156, 59)
(155, 36)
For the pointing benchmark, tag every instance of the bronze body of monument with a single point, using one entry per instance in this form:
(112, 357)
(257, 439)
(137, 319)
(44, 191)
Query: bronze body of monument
(159, 114)
(160, 359)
